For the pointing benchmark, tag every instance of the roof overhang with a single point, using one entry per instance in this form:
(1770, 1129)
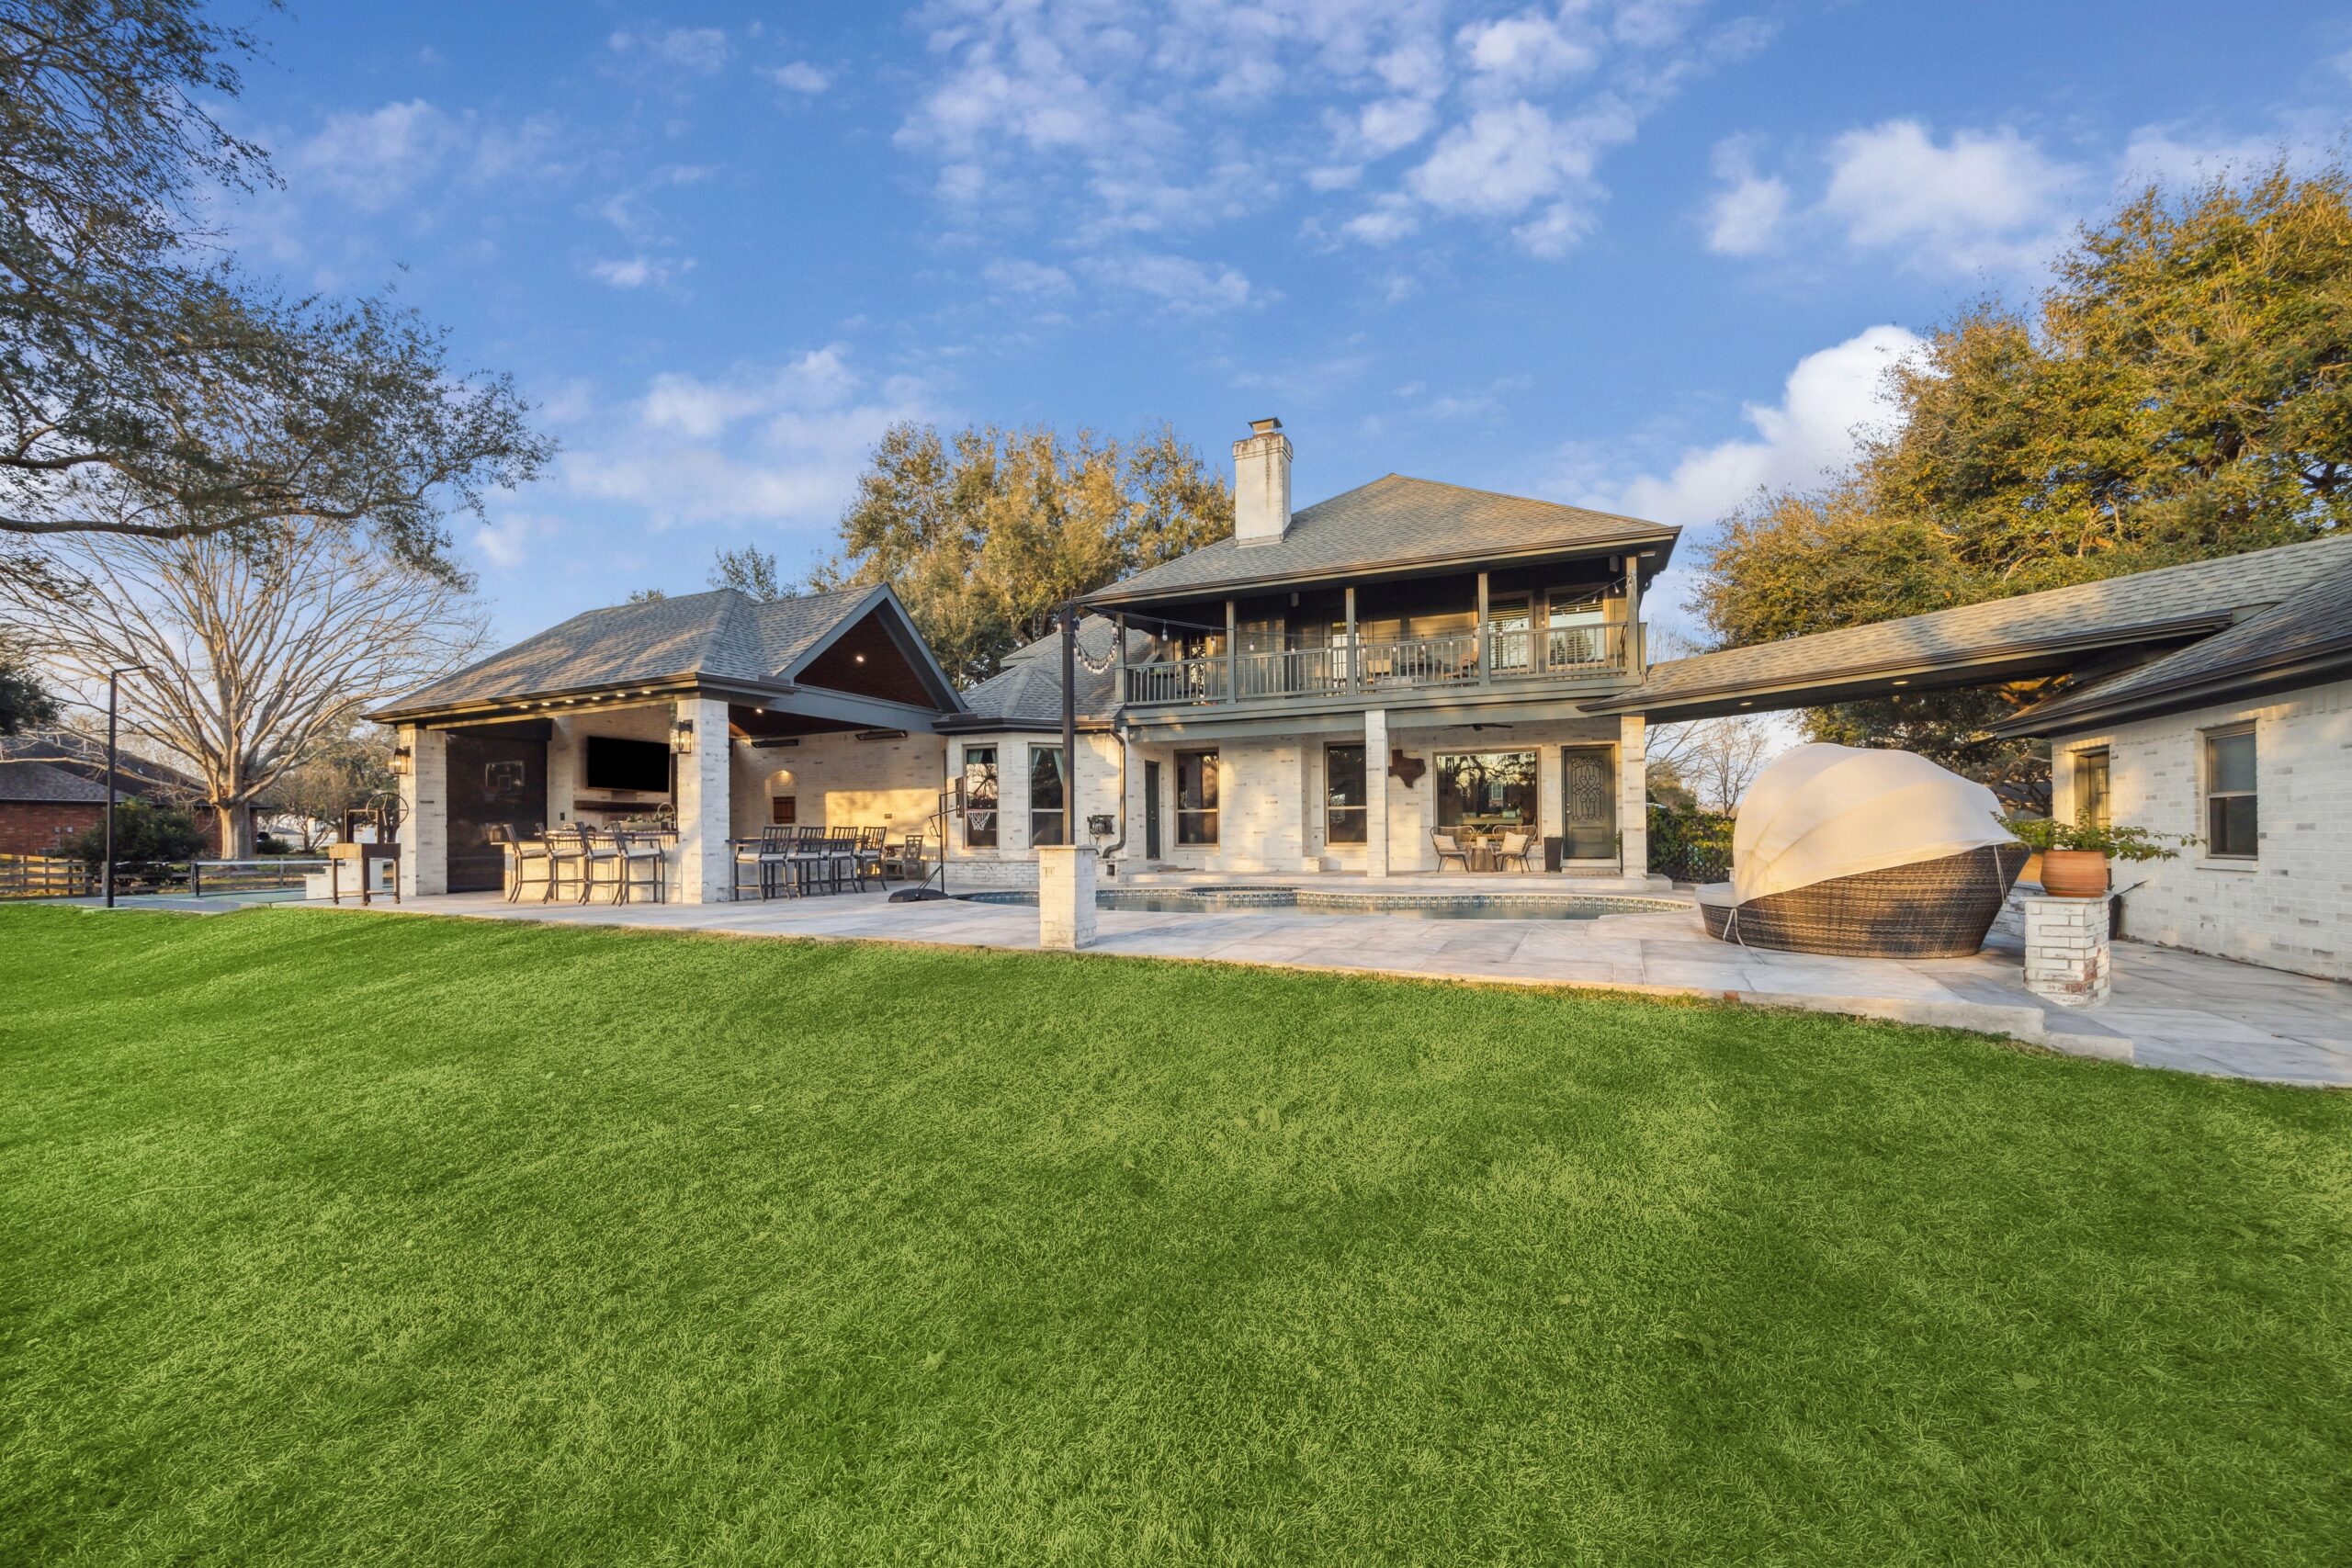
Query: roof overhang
(2075, 711)
(1655, 546)
(1983, 665)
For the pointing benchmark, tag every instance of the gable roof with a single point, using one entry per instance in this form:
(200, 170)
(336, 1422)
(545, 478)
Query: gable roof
(722, 636)
(2302, 639)
(2044, 630)
(84, 758)
(1027, 693)
(22, 780)
(1393, 522)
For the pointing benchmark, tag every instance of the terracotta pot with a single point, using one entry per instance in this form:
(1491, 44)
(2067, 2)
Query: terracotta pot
(2073, 874)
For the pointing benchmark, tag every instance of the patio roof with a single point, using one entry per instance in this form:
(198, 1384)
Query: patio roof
(2086, 627)
(813, 649)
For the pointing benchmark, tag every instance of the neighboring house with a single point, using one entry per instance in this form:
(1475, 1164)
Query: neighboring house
(43, 808)
(1329, 688)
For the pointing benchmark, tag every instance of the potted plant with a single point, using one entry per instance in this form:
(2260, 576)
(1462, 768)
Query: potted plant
(2075, 855)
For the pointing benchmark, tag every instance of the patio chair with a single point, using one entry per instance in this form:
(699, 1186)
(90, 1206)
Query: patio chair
(599, 848)
(1514, 847)
(814, 861)
(1449, 848)
(523, 855)
(642, 852)
(769, 856)
(567, 852)
(906, 860)
(867, 852)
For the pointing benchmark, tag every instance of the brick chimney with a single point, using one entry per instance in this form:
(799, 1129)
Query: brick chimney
(1261, 484)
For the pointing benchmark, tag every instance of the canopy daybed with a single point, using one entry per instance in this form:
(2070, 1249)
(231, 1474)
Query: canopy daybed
(1864, 853)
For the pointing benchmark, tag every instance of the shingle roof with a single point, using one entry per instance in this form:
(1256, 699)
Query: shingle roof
(86, 758)
(2310, 625)
(29, 780)
(1028, 690)
(719, 636)
(2114, 605)
(1392, 521)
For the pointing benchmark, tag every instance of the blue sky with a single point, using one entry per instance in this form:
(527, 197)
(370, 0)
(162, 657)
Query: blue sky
(1645, 254)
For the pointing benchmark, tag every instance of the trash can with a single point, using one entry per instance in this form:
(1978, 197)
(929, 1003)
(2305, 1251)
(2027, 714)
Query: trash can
(1552, 852)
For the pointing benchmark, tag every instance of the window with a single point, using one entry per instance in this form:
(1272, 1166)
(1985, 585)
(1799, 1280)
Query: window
(1196, 797)
(2090, 787)
(1487, 790)
(1507, 623)
(2232, 831)
(1046, 784)
(783, 809)
(979, 797)
(1344, 795)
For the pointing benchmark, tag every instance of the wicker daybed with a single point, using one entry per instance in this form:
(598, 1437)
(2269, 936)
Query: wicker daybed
(1864, 854)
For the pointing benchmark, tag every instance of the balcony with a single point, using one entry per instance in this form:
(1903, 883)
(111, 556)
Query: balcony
(1520, 658)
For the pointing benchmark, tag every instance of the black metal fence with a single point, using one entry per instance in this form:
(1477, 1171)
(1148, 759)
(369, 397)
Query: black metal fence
(1690, 846)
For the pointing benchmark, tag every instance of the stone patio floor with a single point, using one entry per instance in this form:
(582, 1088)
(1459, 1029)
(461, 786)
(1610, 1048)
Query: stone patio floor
(2169, 1009)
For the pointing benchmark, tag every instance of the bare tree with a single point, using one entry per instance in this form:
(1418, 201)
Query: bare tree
(1717, 759)
(246, 656)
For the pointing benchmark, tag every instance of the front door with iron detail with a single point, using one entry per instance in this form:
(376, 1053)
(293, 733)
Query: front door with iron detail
(1588, 803)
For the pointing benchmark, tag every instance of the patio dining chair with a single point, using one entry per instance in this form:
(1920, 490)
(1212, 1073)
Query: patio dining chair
(813, 862)
(906, 860)
(769, 856)
(868, 852)
(567, 853)
(1514, 847)
(599, 848)
(1449, 848)
(522, 856)
(642, 852)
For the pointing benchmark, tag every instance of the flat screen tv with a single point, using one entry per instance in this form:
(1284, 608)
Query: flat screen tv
(628, 764)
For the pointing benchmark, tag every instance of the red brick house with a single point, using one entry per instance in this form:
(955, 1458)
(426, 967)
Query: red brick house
(43, 808)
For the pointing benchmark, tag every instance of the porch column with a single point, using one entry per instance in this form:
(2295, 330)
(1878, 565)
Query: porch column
(1375, 792)
(424, 812)
(1633, 794)
(706, 805)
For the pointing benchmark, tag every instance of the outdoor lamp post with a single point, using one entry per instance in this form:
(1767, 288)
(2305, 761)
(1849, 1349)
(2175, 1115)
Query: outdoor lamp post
(114, 679)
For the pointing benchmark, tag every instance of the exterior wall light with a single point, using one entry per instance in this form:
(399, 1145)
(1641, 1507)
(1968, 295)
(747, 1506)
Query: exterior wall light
(682, 736)
(403, 761)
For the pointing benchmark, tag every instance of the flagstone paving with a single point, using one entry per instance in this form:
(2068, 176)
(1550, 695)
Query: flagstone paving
(2169, 1009)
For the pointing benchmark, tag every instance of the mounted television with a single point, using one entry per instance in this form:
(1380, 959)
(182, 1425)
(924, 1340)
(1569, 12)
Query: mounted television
(614, 763)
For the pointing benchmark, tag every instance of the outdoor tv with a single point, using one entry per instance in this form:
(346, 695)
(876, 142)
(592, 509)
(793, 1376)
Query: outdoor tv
(628, 764)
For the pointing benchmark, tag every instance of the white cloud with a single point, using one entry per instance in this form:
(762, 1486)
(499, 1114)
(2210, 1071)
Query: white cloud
(638, 272)
(1529, 48)
(1744, 217)
(798, 76)
(1184, 286)
(1390, 219)
(1984, 199)
(700, 49)
(2181, 157)
(375, 158)
(780, 444)
(1392, 123)
(1809, 433)
(506, 541)
(1019, 276)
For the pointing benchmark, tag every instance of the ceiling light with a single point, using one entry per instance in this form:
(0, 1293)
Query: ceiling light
(859, 657)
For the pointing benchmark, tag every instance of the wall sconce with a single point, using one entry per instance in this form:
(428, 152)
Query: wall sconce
(682, 736)
(403, 761)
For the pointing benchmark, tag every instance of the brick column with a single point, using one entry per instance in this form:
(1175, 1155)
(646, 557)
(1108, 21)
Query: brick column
(2066, 956)
(424, 812)
(705, 806)
(1633, 793)
(1065, 896)
(1375, 792)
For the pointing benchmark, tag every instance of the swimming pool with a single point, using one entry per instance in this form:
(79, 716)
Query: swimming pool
(1410, 906)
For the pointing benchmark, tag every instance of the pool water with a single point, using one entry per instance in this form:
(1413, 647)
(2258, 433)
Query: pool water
(1410, 906)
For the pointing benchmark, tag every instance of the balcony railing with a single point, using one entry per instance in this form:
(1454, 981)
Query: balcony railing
(1342, 669)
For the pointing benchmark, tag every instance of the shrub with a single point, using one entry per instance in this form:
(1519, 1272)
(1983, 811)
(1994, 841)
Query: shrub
(143, 832)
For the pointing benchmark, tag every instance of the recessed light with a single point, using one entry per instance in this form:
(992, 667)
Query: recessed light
(859, 657)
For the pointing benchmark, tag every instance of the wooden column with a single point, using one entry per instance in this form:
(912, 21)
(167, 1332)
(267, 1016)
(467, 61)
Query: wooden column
(1355, 657)
(1119, 624)
(1636, 660)
(1486, 646)
(1232, 654)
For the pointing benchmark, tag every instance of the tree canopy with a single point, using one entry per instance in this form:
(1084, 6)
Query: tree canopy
(2181, 390)
(983, 533)
(147, 387)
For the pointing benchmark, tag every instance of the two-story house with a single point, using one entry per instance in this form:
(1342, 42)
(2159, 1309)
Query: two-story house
(1332, 687)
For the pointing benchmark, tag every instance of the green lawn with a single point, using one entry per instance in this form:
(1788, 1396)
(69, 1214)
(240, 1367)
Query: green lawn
(389, 1240)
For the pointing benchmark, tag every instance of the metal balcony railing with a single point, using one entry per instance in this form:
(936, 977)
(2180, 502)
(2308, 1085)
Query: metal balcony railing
(1342, 669)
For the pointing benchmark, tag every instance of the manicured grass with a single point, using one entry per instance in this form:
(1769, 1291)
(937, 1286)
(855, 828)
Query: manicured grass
(390, 1240)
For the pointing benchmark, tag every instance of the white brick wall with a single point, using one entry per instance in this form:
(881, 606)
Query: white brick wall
(424, 812)
(2291, 906)
(839, 781)
(2066, 950)
(705, 866)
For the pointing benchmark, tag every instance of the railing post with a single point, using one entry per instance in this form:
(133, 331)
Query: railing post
(1232, 653)
(196, 879)
(1486, 646)
(1355, 653)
